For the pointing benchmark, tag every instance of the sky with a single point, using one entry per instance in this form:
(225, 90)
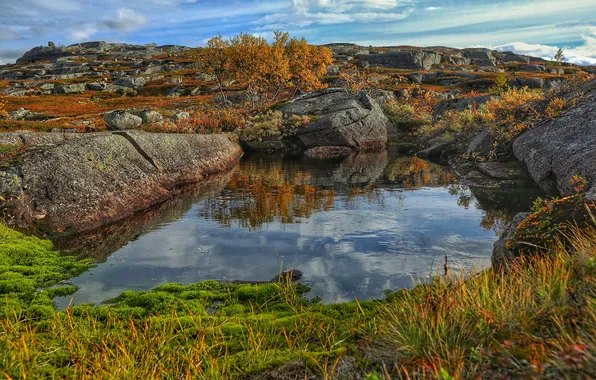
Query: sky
(533, 27)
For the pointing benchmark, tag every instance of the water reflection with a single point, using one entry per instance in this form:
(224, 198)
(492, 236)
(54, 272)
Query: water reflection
(354, 226)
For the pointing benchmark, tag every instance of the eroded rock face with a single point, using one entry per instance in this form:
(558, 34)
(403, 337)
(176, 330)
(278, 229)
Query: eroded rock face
(559, 149)
(82, 184)
(344, 119)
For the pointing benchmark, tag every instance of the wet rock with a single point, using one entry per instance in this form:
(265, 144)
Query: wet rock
(438, 149)
(503, 170)
(121, 120)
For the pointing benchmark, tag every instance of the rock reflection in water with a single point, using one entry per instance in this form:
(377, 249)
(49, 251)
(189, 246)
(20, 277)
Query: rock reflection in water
(354, 226)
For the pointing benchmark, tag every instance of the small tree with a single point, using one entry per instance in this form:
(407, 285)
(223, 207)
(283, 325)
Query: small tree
(308, 64)
(215, 60)
(560, 56)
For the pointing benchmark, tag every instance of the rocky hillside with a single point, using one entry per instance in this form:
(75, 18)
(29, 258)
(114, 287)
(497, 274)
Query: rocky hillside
(54, 87)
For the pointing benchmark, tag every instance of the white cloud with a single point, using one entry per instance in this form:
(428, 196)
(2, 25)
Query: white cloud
(126, 20)
(433, 8)
(580, 55)
(83, 32)
(303, 19)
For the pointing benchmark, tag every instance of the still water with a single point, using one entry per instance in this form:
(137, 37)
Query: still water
(354, 226)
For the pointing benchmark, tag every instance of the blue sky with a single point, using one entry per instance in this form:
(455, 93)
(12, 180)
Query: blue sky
(536, 27)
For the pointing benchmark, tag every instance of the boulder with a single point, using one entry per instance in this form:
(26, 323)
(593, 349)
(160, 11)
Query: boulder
(482, 145)
(86, 183)
(78, 88)
(512, 57)
(438, 149)
(130, 82)
(533, 83)
(561, 148)
(533, 68)
(503, 170)
(121, 120)
(181, 115)
(344, 119)
(482, 54)
(150, 117)
(403, 59)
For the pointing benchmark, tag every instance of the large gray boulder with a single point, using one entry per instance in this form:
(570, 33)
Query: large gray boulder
(121, 120)
(343, 119)
(150, 117)
(403, 59)
(561, 148)
(89, 182)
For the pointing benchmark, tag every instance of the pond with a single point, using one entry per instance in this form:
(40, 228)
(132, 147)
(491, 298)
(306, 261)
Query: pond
(354, 226)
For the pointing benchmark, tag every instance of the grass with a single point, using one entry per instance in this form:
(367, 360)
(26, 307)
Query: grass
(539, 321)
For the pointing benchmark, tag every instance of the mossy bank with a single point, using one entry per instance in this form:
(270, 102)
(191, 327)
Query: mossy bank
(537, 322)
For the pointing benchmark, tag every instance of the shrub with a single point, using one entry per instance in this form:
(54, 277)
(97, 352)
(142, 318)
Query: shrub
(407, 117)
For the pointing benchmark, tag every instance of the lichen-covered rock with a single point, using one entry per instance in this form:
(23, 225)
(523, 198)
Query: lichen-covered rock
(121, 120)
(82, 184)
(150, 117)
(70, 88)
(343, 119)
(562, 148)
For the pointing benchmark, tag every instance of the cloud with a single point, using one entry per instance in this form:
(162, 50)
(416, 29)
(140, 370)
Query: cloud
(345, 5)
(126, 20)
(433, 8)
(584, 54)
(83, 32)
(303, 19)
(7, 34)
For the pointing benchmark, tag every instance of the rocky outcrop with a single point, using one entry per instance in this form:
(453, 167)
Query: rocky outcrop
(82, 184)
(342, 119)
(403, 59)
(559, 149)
